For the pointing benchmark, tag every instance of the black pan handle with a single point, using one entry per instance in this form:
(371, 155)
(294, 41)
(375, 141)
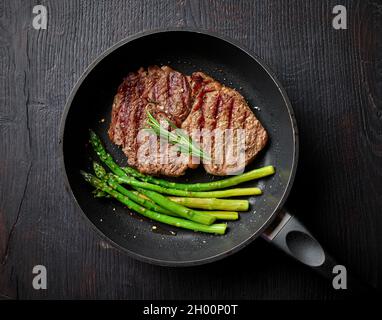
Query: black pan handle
(290, 235)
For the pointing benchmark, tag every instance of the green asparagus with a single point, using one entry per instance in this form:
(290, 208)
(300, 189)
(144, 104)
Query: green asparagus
(147, 202)
(221, 215)
(105, 157)
(212, 203)
(203, 186)
(218, 228)
(177, 208)
(193, 194)
(209, 203)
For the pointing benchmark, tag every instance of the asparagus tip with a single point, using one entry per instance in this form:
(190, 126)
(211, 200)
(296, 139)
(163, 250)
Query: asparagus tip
(94, 139)
(99, 170)
(99, 193)
(91, 133)
(87, 176)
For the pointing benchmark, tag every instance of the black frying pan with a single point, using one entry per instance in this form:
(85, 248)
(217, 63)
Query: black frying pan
(189, 51)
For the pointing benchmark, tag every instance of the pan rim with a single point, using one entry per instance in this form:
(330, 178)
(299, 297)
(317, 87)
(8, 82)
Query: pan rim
(271, 74)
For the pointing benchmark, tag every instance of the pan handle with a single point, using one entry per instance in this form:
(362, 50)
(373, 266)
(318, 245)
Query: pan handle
(290, 235)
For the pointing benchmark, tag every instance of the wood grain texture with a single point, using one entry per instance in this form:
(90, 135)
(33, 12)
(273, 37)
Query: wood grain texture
(334, 81)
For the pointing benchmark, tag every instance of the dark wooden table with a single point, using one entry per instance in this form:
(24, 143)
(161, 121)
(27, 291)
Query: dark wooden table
(333, 78)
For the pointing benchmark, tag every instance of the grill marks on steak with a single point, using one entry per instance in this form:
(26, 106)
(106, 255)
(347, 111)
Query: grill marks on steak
(195, 102)
(165, 93)
(218, 107)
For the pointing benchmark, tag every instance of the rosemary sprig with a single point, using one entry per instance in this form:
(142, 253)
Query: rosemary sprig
(178, 137)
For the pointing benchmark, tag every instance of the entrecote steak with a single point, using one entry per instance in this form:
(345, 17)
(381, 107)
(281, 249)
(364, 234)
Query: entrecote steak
(195, 103)
(217, 107)
(165, 93)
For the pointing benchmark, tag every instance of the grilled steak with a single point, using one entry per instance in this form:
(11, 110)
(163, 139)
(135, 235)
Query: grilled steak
(217, 108)
(193, 103)
(165, 93)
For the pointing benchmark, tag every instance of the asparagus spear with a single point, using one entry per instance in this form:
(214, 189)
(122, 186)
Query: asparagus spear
(105, 157)
(208, 203)
(212, 203)
(184, 212)
(218, 228)
(177, 208)
(193, 194)
(200, 217)
(221, 215)
(143, 202)
(203, 186)
(147, 202)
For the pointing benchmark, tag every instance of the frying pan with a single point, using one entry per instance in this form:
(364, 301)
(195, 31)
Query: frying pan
(89, 106)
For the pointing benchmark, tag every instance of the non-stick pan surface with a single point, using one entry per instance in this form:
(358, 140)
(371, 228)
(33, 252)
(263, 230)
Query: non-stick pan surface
(89, 106)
